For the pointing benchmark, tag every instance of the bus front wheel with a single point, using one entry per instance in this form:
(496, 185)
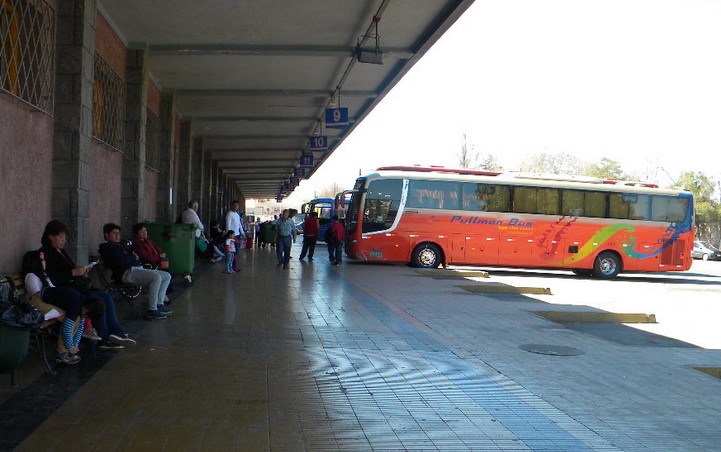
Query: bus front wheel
(607, 265)
(426, 255)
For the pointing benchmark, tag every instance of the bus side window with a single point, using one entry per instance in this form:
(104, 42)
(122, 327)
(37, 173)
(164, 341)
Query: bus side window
(617, 208)
(572, 203)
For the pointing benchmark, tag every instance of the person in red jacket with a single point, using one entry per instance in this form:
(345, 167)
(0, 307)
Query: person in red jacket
(149, 252)
(335, 241)
(311, 228)
(144, 247)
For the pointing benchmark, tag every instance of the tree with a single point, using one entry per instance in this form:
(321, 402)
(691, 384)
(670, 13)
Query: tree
(490, 163)
(468, 158)
(552, 164)
(329, 191)
(605, 169)
(708, 210)
(698, 183)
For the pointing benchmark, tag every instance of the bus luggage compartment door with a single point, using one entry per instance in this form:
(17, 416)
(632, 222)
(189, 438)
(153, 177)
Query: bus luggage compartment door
(515, 250)
(475, 249)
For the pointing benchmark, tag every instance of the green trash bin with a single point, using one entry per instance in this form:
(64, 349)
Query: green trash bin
(14, 347)
(178, 243)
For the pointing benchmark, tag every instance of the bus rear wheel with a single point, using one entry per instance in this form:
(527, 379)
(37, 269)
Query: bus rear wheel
(426, 255)
(607, 265)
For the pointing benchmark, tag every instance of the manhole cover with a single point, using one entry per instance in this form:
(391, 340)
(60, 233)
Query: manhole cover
(555, 350)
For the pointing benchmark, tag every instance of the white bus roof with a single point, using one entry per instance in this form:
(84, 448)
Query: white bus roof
(525, 179)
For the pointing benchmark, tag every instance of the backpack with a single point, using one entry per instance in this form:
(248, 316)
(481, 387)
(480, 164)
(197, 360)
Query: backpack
(330, 236)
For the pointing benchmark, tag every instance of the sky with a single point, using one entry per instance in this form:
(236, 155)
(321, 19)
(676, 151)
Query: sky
(635, 81)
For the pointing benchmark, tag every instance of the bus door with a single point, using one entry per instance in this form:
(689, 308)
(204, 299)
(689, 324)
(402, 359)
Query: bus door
(475, 249)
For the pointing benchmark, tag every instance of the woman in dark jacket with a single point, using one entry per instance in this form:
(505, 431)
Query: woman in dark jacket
(64, 273)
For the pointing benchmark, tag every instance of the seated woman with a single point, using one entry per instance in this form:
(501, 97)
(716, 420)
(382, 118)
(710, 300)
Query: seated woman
(62, 272)
(149, 253)
(44, 295)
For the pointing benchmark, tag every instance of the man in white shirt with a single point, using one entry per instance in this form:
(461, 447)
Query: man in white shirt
(233, 223)
(190, 216)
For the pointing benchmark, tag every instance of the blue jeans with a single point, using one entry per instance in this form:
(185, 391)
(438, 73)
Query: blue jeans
(335, 251)
(107, 324)
(283, 251)
(229, 257)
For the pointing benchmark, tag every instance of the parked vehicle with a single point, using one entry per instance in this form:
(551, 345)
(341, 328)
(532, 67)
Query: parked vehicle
(435, 216)
(705, 251)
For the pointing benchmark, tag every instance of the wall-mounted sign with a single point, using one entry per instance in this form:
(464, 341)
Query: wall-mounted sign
(336, 118)
(319, 143)
(306, 161)
(299, 172)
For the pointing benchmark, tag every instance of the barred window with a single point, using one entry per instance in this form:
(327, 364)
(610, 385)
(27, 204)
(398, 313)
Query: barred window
(27, 45)
(108, 105)
(152, 141)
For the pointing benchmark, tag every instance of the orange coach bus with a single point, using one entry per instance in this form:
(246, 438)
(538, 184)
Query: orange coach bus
(436, 216)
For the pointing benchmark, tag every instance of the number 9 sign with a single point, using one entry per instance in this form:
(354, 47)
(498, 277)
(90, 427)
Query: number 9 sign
(336, 118)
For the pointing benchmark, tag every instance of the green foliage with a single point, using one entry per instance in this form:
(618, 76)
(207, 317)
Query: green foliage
(697, 183)
(708, 210)
(605, 169)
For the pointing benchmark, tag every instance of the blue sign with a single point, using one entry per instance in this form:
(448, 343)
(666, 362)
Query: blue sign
(318, 143)
(299, 172)
(306, 161)
(336, 118)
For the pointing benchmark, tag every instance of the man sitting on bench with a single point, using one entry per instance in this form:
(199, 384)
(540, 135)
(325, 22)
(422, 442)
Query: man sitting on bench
(127, 268)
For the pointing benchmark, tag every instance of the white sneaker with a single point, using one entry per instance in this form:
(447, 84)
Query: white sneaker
(91, 334)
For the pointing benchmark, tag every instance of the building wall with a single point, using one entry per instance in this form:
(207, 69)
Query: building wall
(150, 200)
(106, 163)
(151, 193)
(26, 155)
(109, 46)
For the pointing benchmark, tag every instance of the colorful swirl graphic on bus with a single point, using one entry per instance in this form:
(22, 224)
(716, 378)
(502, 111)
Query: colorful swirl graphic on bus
(606, 233)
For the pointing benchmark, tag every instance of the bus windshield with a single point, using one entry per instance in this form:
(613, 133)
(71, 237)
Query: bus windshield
(381, 204)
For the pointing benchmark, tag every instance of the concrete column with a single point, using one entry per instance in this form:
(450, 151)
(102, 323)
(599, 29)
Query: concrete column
(136, 117)
(168, 149)
(185, 151)
(208, 186)
(73, 122)
(215, 188)
(197, 188)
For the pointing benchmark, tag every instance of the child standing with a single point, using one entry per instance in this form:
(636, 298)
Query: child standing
(229, 251)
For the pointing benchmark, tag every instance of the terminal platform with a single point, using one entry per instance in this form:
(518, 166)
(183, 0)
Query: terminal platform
(361, 357)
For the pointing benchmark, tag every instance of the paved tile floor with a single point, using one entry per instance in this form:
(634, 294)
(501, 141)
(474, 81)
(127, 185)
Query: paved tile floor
(366, 357)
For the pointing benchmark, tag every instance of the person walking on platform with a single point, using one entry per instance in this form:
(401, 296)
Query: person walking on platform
(336, 236)
(286, 236)
(311, 228)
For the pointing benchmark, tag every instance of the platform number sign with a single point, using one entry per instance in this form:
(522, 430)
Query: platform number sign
(306, 161)
(336, 118)
(319, 143)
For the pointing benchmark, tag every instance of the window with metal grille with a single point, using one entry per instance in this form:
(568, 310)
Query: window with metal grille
(108, 105)
(27, 45)
(152, 141)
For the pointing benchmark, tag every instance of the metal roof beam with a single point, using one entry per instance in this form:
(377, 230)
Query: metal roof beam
(267, 50)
